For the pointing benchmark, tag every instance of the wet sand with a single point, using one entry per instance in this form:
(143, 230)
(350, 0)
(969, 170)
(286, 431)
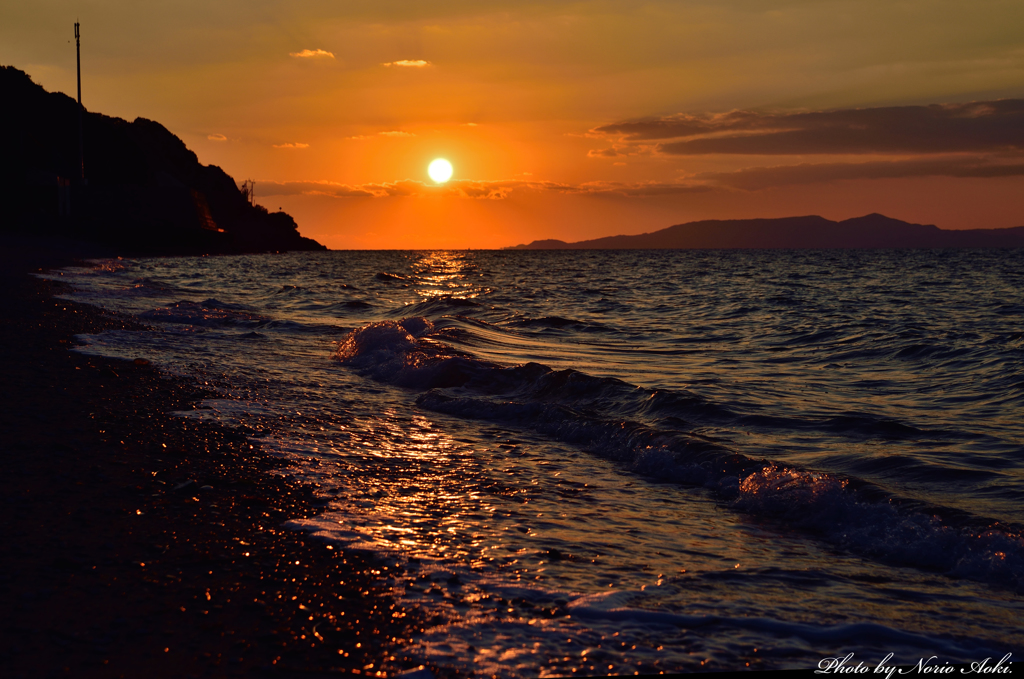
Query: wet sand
(139, 544)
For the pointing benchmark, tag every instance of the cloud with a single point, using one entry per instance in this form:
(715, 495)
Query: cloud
(216, 137)
(291, 145)
(622, 150)
(408, 63)
(758, 178)
(939, 128)
(974, 140)
(312, 54)
(406, 187)
(640, 189)
(748, 179)
(485, 190)
(470, 189)
(298, 188)
(387, 133)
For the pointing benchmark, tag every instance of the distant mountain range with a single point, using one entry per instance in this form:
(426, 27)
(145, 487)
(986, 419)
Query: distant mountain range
(812, 232)
(146, 192)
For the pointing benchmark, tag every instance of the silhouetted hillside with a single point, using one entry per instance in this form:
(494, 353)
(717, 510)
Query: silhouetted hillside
(146, 191)
(870, 231)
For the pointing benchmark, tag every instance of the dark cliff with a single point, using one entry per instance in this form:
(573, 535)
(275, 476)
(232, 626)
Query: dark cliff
(870, 231)
(146, 192)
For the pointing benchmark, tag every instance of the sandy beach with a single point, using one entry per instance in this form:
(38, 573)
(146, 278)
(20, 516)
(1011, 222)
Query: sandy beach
(141, 544)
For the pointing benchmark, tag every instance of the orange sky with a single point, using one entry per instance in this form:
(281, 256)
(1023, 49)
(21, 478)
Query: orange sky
(565, 120)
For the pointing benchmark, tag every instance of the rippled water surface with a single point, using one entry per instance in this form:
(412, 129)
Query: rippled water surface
(634, 461)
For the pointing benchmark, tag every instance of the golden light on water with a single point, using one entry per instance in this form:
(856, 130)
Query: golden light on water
(440, 170)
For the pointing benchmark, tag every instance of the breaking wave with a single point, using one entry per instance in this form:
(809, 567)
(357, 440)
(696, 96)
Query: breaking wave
(660, 434)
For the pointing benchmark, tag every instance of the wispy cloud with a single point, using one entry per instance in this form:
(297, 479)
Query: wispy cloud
(749, 179)
(618, 150)
(479, 190)
(640, 189)
(939, 128)
(291, 145)
(758, 178)
(216, 137)
(408, 63)
(312, 54)
(406, 187)
(387, 133)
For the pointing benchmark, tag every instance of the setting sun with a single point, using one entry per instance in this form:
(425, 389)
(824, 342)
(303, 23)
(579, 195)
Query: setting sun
(440, 170)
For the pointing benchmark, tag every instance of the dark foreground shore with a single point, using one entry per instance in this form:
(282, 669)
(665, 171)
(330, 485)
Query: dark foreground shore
(137, 544)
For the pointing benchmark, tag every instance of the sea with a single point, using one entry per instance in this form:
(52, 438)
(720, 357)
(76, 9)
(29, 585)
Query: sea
(635, 461)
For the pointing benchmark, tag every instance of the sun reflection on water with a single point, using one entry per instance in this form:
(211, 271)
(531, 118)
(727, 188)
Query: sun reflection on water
(446, 274)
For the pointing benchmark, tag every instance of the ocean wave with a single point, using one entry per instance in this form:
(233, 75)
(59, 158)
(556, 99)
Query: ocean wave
(214, 303)
(209, 313)
(397, 352)
(559, 323)
(659, 434)
(621, 607)
(825, 505)
(435, 307)
(292, 290)
(212, 313)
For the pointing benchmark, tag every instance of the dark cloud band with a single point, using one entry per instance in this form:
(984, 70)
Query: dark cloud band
(940, 128)
(757, 178)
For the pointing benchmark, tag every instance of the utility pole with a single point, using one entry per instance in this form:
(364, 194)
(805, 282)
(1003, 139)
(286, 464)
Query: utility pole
(81, 154)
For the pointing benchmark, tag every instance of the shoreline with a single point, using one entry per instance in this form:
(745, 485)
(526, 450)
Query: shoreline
(142, 544)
